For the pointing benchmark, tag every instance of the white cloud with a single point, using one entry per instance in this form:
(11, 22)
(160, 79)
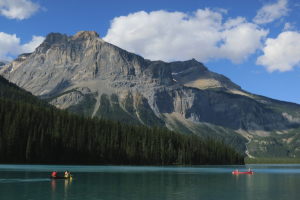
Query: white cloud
(281, 53)
(11, 45)
(34, 43)
(18, 9)
(289, 26)
(170, 36)
(271, 12)
(240, 39)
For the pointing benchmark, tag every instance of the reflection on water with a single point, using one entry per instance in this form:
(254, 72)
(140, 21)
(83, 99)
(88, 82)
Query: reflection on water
(60, 188)
(67, 183)
(53, 185)
(151, 183)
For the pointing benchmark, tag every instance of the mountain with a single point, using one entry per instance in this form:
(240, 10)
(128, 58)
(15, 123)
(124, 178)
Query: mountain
(32, 131)
(12, 92)
(2, 63)
(86, 75)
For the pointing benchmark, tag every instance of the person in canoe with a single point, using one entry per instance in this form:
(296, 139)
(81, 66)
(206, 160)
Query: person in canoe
(67, 174)
(54, 174)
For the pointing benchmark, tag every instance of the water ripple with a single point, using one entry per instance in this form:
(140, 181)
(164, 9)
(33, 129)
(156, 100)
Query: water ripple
(19, 180)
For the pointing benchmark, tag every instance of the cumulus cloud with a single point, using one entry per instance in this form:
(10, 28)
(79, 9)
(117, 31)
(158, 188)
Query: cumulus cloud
(204, 35)
(18, 9)
(11, 45)
(271, 12)
(240, 39)
(30, 46)
(281, 53)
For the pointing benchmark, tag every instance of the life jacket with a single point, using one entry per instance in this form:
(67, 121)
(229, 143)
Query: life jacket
(66, 174)
(54, 174)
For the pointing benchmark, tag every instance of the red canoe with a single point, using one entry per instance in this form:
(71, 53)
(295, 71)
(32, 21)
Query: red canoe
(238, 172)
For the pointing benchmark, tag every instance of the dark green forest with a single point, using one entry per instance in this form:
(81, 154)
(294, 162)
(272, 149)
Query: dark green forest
(31, 131)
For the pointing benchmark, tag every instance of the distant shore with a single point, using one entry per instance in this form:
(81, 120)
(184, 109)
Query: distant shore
(272, 160)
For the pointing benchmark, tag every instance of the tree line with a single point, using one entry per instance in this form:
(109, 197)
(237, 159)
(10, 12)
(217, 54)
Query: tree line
(33, 133)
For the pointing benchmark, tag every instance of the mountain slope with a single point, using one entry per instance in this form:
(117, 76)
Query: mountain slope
(2, 63)
(31, 131)
(10, 91)
(89, 76)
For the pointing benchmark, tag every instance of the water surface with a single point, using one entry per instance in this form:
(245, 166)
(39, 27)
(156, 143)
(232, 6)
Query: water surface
(150, 183)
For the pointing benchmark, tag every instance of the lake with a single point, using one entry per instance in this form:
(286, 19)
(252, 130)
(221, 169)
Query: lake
(150, 183)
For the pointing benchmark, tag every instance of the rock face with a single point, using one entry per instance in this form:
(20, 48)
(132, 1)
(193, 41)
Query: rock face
(86, 75)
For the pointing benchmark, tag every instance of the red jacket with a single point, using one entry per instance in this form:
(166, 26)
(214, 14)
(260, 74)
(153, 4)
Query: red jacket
(54, 174)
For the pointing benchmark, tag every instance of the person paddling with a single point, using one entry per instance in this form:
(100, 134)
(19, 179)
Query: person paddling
(67, 174)
(54, 174)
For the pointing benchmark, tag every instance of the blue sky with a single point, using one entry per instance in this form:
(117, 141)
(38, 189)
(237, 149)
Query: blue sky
(256, 43)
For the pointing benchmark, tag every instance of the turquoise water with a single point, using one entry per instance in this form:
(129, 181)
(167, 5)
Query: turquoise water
(150, 183)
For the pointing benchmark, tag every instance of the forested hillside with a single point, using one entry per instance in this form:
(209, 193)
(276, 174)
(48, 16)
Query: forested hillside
(31, 132)
(11, 91)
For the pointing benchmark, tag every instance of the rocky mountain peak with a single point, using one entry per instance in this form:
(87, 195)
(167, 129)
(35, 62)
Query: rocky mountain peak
(85, 35)
(52, 38)
(179, 66)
